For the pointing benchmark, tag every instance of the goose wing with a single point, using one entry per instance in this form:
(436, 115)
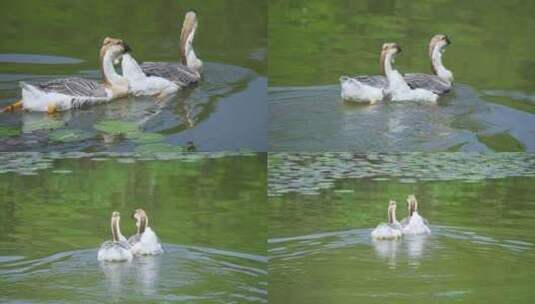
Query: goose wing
(376, 81)
(428, 82)
(178, 73)
(73, 86)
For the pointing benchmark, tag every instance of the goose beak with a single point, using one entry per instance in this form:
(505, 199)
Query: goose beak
(398, 49)
(127, 48)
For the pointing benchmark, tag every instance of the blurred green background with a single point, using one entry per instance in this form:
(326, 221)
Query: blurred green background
(233, 31)
(313, 42)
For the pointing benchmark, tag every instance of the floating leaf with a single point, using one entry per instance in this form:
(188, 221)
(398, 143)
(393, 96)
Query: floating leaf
(141, 137)
(158, 147)
(116, 127)
(41, 123)
(9, 131)
(69, 135)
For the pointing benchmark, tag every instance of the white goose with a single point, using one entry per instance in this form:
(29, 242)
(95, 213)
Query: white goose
(414, 224)
(398, 89)
(188, 71)
(145, 241)
(74, 92)
(371, 89)
(442, 80)
(118, 249)
(390, 230)
(143, 85)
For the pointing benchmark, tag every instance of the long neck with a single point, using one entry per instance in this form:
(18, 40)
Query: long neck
(412, 208)
(109, 75)
(386, 64)
(438, 67)
(143, 224)
(115, 232)
(187, 54)
(391, 215)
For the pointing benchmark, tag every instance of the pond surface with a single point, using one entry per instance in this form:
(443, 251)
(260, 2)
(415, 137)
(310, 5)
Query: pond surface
(313, 43)
(227, 111)
(482, 247)
(207, 209)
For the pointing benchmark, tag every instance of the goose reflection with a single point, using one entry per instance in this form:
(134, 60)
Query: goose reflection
(411, 247)
(416, 245)
(116, 276)
(147, 274)
(387, 250)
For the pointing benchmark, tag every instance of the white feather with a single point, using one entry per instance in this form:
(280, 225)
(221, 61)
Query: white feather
(353, 90)
(140, 84)
(147, 244)
(416, 225)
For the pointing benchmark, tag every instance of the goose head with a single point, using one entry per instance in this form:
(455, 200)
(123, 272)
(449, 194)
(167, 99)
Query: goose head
(388, 52)
(110, 52)
(113, 47)
(187, 54)
(392, 212)
(142, 220)
(438, 42)
(115, 230)
(412, 204)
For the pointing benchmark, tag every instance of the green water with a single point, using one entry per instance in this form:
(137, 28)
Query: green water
(227, 111)
(207, 209)
(482, 247)
(313, 43)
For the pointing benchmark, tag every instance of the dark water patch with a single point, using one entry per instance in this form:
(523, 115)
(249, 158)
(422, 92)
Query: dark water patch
(37, 59)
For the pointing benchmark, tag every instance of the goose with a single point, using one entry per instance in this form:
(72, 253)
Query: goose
(441, 81)
(118, 249)
(414, 224)
(398, 89)
(372, 88)
(143, 85)
(74, 92)
(145, 241)
(390, 230)
(188, 71)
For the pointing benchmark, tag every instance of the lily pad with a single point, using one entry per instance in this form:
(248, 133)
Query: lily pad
(69, 135)
(159, 147)
(42, 123)
(116, 127)
(142, 138)
(9, 131)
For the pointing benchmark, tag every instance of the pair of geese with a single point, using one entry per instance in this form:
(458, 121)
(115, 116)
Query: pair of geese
(119, 249)
(414, 224)
(397, 87)
(148, 79)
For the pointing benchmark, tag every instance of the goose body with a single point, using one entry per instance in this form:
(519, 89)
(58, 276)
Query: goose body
(414, 224)
(188, 71)
(145, 241)
(118, 249)
(390, 230)
(141, 84)
(399, 90)
(363, 88)
(366, 88)
(75, 92)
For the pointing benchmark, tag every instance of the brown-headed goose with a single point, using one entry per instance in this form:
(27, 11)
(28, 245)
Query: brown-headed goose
(118, 249)
(188, 71)
(390, 230)
(145, 241)
(74, 92)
